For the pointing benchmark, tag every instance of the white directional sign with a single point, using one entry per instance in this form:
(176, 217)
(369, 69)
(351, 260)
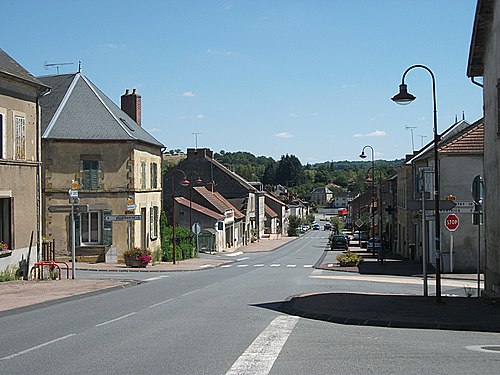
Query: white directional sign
(122, 217)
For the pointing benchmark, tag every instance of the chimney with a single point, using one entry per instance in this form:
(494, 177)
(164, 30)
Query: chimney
(202, 152)
(131, 105)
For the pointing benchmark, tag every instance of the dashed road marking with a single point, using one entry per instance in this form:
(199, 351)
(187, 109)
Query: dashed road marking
(37, 347)
(275, 265)
(242, 265)
(258, 265)
(291, 265)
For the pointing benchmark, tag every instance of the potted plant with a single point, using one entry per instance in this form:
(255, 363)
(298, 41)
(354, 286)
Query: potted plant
(137, 257)
(349, 259)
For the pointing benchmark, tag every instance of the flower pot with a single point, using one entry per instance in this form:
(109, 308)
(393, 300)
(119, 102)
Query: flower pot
(348, 264)
(135, 263)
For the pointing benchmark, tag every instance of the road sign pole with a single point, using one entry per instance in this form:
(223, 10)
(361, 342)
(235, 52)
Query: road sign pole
(451, 252)
(424, 247)
(73, 239)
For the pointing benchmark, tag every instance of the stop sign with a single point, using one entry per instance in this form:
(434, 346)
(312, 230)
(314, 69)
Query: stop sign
(451, 222)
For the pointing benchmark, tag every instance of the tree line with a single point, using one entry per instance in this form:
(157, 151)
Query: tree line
(302, 179)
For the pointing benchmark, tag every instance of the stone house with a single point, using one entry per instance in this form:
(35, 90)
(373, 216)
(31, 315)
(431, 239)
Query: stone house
(322, 196)
(114, 161)
(281, 210)
(483, 62)
(20, 169)
(200, 165)
(460, 149)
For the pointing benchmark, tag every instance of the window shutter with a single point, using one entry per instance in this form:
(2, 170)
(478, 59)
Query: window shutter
(107, 229)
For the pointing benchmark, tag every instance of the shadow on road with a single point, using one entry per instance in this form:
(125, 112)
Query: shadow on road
(401, 311)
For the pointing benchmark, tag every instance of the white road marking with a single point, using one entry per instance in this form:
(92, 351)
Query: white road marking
(116, 319)
(226, 266)
(258, 265)
(206, 266)
(156, 278)
(37, 347)
(241, 259)
(242, 265)
(291, 265)
(260, 356)
(307, 266)
(160, 303)
(234, 254)
(275, 265)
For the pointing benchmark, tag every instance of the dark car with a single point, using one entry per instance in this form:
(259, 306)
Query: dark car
(316, 227)
(327, 226)
(339, 241)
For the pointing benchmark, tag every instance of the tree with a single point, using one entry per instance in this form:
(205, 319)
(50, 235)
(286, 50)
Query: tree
(290, 171)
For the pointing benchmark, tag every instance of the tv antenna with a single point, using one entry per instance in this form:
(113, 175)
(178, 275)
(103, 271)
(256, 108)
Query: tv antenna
(411, 130)
(196, 139)
(422, 139)
(46, 65)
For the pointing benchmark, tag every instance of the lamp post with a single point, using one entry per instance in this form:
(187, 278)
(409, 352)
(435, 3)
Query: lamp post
(184, 182)
(363, 156)
(403, 97)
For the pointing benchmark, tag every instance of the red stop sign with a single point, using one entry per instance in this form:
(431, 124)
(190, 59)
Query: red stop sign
(451, 222)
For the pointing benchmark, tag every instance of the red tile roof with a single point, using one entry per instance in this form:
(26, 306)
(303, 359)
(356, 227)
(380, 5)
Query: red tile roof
(198, 208)
(469, 142)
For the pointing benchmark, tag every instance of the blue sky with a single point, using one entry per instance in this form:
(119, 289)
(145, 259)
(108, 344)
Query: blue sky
(312, 78)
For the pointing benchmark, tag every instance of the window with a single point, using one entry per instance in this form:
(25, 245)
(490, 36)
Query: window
(90, 174)
(3, 137)
(19, 138)
(90, 227)
(153, 222)
(154, 175)
(6, 230)
(143, 175)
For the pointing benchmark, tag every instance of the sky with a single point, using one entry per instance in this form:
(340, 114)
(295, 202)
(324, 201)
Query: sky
(311, 78)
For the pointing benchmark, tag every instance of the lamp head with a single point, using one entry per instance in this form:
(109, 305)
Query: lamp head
(362, 155)
(185, 182)
(403, 97)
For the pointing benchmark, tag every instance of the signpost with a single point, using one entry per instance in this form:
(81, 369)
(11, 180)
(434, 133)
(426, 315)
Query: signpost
(196, 228)
(451, 223)
(477, 219)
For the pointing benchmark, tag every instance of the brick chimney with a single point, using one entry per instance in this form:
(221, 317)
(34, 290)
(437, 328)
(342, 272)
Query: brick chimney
(131, 105)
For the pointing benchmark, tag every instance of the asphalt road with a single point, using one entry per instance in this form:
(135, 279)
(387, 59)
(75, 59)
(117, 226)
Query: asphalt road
(225, 321)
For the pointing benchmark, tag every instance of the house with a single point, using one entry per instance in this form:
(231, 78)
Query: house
(322, 196)
(245, 198)
(460, 149)
(342, 199)
(211, 211)
(483, 62)
(116, 164)
(20, 168)
(277, 206)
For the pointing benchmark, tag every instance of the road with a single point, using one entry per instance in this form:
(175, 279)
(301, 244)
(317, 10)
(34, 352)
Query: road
(225, 321)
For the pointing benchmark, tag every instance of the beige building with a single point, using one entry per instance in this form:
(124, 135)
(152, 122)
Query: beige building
(20, 93)
(483, 62)
(114, 161)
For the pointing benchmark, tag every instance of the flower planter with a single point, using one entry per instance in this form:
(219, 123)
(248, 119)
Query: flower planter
(135, 263)
(348, 264)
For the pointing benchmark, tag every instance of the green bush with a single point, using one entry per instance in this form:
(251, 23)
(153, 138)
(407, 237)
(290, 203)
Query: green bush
(10, 273)
(185, 243)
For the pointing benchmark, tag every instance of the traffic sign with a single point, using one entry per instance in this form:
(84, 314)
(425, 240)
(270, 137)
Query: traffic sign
(66, 208)
(122, 217)
(196, 228)
(451, 222)
(429, 205)
(359, 223)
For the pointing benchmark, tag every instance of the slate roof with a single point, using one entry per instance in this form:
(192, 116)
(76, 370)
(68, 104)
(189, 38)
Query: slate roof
(218, 201)
(10, 67)
(77, 110)
(269, 211)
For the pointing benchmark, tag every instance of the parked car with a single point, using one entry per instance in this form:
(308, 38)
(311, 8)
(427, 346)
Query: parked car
(316, 227)
(339, 241)
(373, 244)
(327, 226)
(360, 235)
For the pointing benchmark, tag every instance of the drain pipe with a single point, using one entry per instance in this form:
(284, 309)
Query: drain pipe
(475, 82)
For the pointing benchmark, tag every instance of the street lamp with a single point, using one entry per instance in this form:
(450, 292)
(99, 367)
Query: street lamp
(403, 97)
(184, 182)
(363, 156)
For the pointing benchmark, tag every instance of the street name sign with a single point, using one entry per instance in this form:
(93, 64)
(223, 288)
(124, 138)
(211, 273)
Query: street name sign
(122, 217)
(66, 208)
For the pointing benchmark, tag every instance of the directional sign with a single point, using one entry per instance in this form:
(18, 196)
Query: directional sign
(122, 217)
(66, 208)
(429, 205)
(451, 222)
